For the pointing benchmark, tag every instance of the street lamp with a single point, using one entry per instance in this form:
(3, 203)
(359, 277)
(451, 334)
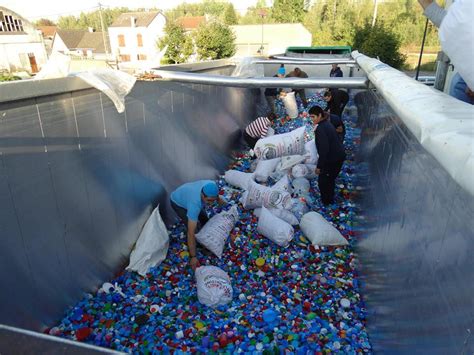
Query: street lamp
(262, 13)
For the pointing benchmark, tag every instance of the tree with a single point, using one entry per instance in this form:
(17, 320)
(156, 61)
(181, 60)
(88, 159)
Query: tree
(214, 40)
(91, 19)
(180, 45)
(288, 11)
(253, 15)
(379, 41)
(230, 16)
(44, 22)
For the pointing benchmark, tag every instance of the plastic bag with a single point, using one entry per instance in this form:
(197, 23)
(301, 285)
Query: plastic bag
(289, 100)
(283, 184)
(274, 228)
(299, 207)
(300, 186)
(215, 232)
(299, 170)
(319, 231)
(57, 66)
(238, 178)
(152, 245)
(265, 168)
(113, 83)
(311, 153)
(245, 68)
(279, 145)
(285, 215)
(291, 160)
(258, 195)
(213, 286)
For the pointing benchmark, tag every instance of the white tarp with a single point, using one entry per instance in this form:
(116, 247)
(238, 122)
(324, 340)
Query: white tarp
(443, 125)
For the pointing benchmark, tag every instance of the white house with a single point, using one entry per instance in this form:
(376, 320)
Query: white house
(80, 43)
(21, 44)
(133, 35)
(274, 38)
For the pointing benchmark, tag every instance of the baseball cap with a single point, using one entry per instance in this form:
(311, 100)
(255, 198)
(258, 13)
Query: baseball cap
(281, 71)
(210, 189)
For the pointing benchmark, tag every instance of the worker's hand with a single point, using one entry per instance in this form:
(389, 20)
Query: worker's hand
(317, 171)
(425, 3)
(221, 201)
(469, 92)
(194, 263)
(339, 129)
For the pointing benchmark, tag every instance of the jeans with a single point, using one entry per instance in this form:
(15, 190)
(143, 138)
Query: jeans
(458, 89)
(182, 214)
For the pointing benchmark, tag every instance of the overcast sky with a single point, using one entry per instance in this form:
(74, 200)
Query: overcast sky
(33, 10)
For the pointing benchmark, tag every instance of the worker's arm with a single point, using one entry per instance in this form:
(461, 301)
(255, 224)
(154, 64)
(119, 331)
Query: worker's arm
(433, 11)
(193, 261)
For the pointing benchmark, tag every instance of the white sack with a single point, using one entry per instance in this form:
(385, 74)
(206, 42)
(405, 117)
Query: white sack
(279, 145)
(265, 168)
(289, 161)
(213, 286)
(270, 132)
(319, 231)
(285, 215)
(215, 232)
(238, 178)
(300, 186)
(299, 170)
(299, 208)
(311, 153)
(152, 245)
(258, 195)
(283, 184)
(289, 100)
(274, 228)
(311, 173)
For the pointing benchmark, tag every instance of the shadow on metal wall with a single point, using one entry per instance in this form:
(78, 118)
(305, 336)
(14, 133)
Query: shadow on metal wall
(416, 253)
(78, 180)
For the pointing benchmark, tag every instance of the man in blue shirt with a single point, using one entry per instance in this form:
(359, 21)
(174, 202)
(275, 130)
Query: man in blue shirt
(188, 201)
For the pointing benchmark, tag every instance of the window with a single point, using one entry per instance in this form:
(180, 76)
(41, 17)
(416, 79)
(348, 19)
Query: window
(121, 40)
(141, 57)
(124, 58)
(139, 40)
(10, 24)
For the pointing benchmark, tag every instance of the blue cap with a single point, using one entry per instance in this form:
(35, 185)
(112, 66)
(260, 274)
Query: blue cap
(210, 189)
(281, 71)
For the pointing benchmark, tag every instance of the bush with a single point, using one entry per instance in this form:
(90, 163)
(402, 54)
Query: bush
(8, 77)
(214, 40)
(379, 41)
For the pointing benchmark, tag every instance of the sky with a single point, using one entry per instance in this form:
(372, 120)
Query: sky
(52, 9)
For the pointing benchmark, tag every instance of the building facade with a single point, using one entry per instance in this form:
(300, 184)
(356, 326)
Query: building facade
(21, 44)
(134, 35)
(81, 44)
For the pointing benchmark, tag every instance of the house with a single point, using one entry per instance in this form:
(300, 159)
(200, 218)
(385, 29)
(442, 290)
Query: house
(274, 38)
(190, 23)
(48, 33)
(21, 44)
(133, 35)
(81, 43)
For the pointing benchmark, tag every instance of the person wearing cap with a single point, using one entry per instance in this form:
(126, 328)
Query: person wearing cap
(298, 73)
(188, 201)
(331, 153)
(271, 94)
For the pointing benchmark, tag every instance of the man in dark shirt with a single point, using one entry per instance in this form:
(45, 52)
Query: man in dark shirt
(298, 73)
(272, 93)
(336, 72)
(337, 101)
(331, 154)
(339, 126)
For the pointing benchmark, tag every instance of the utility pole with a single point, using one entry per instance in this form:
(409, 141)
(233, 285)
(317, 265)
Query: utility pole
(262, 13)
(374, 17)
(103, 32)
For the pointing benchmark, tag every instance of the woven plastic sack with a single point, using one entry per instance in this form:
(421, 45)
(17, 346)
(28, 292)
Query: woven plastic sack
(311, 153)
(265, 168)
(319, 231)
(238, 178)
(215, 232)
(289, 100)
(299, 170)
(285, 215)
(213, 286)
(289, 161)
(274, 228)
(280, 145)
(152, 245)
(283, 184)
(258, 195)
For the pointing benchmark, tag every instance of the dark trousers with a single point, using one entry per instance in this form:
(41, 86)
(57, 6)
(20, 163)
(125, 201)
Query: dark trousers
(182, 214)
(302, 95)
(250, 140)
(327, 181)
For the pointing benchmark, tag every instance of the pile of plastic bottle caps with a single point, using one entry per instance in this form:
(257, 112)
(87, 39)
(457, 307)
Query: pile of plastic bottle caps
(300, 299)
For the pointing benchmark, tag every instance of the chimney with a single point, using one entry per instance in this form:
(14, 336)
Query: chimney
(90, 29)
(133, 21)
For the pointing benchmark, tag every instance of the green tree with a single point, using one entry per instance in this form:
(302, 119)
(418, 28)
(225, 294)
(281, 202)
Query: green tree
(44, 22)
(214, 8)
(230, 16)
(179, 44)
(379, 41)
(288, 11)
(253, 15)
(91, 19)
(214, 40)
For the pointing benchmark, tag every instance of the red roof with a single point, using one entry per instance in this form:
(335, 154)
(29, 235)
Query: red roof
(191, 22)
(48, 31)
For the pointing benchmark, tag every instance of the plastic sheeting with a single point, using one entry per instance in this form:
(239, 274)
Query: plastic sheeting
(442, 124)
